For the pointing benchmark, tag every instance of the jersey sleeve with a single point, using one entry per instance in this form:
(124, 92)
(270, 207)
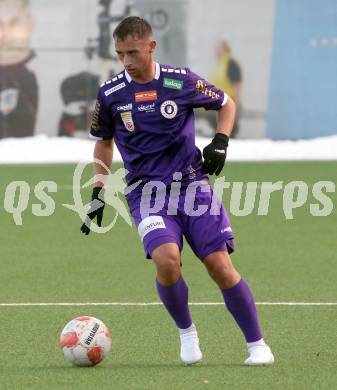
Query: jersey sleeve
(102, 124)
(201, 93)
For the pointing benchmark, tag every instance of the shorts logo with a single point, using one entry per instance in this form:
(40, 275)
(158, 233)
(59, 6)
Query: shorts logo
(145, 96)
(169, 109)
(114, 89)
(172, 83)
(147, 107)
(126, 107)
(149, 224)
(127, 120)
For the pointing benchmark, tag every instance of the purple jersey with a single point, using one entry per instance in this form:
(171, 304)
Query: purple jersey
(153, 123)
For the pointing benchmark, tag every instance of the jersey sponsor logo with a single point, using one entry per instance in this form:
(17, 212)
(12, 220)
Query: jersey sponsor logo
(147, 107)
(169, 109)
(127, 120)
(149, 224)
(146, 96)
(114, 89)
(172, 83)
(126, 107)
(201, 87)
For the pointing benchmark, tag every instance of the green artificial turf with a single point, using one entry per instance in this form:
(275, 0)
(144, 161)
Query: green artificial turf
(47, 259)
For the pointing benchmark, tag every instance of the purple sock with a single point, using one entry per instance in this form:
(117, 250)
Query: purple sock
(240, 303)
(175, 299)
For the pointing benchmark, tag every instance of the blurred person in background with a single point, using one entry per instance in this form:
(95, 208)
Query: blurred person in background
(227, 76)
(18, 85)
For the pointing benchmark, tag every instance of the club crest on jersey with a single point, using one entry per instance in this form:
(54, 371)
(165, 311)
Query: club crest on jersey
(127, 120)
(169, 109)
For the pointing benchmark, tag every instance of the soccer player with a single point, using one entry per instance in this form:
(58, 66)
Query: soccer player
(148, 111)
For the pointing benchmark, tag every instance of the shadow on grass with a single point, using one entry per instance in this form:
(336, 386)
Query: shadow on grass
(140, 366)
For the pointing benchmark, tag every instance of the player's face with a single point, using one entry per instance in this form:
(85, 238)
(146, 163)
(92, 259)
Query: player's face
(135, 54)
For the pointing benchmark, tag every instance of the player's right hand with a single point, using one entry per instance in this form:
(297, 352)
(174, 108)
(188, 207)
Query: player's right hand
(96, 209)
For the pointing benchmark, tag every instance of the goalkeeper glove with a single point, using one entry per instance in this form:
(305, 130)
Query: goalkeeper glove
(96, 209)
(215, 154)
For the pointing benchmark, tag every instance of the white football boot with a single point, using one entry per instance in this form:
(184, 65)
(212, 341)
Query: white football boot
(190, 351)
(259, 354)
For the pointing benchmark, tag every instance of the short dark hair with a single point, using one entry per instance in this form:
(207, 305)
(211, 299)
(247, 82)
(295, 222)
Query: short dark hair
(133, 25)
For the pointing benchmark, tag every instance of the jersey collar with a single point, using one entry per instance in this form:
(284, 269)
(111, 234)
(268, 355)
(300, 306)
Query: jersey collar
(156, 75)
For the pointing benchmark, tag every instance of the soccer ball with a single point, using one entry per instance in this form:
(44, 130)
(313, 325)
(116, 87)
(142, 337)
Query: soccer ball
(85, 341)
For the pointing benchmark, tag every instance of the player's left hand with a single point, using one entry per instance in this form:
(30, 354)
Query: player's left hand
(96, 209)
(215, 153)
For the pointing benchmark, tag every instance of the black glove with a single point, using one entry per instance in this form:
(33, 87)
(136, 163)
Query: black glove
(214, 154)
(96, 209)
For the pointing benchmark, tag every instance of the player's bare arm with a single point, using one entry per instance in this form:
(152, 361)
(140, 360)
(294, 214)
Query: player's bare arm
(103, 152)
(226, 116)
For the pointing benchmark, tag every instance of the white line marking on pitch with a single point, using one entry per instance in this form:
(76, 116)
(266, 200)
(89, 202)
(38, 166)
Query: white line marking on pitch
(32, 304)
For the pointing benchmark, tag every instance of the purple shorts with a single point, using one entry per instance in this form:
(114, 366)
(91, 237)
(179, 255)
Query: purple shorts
(199, 216)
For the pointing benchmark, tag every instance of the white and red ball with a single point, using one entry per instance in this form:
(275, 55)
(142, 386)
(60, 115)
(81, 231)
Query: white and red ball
(85, 341)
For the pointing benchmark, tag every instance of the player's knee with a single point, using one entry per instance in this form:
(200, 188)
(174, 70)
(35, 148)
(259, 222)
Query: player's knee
(224, 277)
(169, 269)
(215, 270)
(167, 261)
(223, 269)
